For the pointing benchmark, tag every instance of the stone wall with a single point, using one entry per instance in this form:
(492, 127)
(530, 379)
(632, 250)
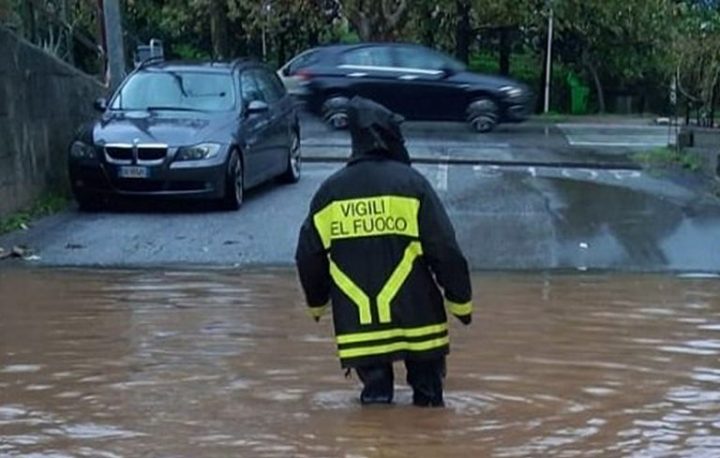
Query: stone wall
(42, 102)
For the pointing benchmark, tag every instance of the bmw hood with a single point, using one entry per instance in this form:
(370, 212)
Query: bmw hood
(173, 129)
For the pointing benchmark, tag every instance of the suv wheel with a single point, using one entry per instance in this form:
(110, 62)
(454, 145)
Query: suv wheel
(482, 114)
(294, 162)
(234, 183)
(334, 111)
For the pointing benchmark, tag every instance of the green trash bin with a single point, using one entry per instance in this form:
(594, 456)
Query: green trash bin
(579, 94)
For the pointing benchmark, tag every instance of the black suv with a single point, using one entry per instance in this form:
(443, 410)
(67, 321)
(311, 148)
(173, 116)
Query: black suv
(202, 130)
(417, 82)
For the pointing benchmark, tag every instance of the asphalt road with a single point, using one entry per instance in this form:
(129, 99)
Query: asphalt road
(530, 196)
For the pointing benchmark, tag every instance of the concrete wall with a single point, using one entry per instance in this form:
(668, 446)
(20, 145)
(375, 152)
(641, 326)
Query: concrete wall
(42, 102)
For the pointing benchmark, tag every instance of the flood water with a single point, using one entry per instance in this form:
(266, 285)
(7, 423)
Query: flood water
(227, 364)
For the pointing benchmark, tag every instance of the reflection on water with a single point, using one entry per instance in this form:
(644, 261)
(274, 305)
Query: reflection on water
(168, 364)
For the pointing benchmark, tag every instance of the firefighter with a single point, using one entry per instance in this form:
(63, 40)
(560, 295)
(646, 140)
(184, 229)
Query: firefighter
(378, 247)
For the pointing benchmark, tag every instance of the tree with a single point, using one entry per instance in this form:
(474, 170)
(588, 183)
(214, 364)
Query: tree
(375, 20)
(626, 41)
(697, 58)
(505, 18)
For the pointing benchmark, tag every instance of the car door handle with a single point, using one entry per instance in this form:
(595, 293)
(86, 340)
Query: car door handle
(357, 74)
(408, 77)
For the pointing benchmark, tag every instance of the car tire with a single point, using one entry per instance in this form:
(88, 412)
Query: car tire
(334, 111)
(294, 160)
(88, 204)
(482, 114)
(234, 183)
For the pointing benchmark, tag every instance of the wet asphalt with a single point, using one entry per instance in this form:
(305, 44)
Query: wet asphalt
(529, 196)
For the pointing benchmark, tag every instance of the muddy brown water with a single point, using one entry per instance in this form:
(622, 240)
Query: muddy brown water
(227, 364)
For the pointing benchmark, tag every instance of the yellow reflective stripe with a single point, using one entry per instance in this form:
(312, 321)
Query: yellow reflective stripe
(393, 347)
(351, 290)
(367, 217)
(396, 280)
(459, 309)
(390, 333)
(317, 312)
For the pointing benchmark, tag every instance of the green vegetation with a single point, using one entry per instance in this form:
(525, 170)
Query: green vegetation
(664, 158)
(43, 206)
(624, 53)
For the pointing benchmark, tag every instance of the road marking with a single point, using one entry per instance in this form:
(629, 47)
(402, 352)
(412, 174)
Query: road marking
(442, 174)
(622, 174)
(651, 143)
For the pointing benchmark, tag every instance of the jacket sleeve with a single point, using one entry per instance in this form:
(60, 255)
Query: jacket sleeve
(313, 267)
(443, 254)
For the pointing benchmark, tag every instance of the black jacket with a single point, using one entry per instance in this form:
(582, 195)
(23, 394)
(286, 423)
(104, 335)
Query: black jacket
(379, 246)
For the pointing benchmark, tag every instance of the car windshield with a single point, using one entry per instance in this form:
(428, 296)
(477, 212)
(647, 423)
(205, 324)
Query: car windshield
(166, 90)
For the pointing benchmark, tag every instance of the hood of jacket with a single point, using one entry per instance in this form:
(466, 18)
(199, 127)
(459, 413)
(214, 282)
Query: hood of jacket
(375, 132)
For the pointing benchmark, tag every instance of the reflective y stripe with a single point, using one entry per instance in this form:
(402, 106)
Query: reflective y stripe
(367, 217)
(396, 280)
(392, 347)
(351, 290)
(392, 333)
(459, 309)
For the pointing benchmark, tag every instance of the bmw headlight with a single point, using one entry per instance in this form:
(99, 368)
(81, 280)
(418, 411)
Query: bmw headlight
(511, 91)
(81, 150)
(198, 152)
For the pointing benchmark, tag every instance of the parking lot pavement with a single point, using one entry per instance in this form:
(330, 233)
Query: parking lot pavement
(530, 143)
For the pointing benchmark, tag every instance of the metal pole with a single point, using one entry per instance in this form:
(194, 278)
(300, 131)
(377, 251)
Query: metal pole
(548, 62)
(114, 36)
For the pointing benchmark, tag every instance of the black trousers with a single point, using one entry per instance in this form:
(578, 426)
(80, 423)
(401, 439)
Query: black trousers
(425, 377)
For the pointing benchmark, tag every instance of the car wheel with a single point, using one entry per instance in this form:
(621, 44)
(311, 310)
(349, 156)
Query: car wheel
(234, 183)
(294, 161)
(334, 111)
(88, 204)
(483, 115)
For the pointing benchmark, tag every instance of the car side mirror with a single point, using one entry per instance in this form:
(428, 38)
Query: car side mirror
(285, 71)
(256, 107)
(100, 104)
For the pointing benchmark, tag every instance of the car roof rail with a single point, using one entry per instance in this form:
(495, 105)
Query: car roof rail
(241, 60)
(150, 61)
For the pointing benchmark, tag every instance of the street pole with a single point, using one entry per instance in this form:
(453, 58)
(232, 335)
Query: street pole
(114, 38)
(548, 62)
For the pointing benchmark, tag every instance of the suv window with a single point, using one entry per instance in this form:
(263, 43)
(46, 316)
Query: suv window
(181, 90)
(425, 59)
(373, 56)
(303, 60)
(272, 91)
(250, 87)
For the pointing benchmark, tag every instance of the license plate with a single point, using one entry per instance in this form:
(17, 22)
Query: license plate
(133, 172)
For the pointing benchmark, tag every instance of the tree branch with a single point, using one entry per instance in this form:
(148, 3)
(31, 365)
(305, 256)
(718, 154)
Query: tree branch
(393, 18)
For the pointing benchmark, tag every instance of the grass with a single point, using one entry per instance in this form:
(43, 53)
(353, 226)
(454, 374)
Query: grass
(663, 158)
(43, 206)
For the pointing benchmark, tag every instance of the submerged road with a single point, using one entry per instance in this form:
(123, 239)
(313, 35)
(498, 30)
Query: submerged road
(530, 196)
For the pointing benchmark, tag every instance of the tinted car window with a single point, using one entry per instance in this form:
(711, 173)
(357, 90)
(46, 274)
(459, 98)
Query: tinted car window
(267, 86)
(181, 90)
(421, 58)
(250, 88)
(303, 60)
(375, 56)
